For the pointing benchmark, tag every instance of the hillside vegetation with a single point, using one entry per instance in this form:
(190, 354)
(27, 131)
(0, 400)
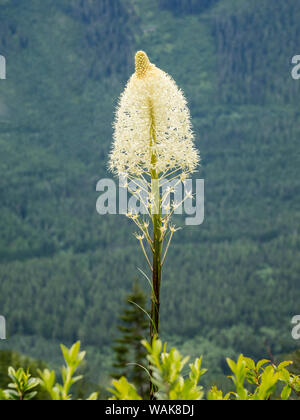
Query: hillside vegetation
(230, 285)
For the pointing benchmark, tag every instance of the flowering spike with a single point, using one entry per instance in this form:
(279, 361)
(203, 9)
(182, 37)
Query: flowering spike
(152, 119)
(142, 64)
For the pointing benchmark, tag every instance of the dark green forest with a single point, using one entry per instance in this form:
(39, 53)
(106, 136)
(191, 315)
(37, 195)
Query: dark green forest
(231, 285)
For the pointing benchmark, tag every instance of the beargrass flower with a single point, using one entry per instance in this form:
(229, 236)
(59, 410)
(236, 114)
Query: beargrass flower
(153, 144)
(152, 119)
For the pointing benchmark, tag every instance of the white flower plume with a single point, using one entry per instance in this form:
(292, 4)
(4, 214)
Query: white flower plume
(152, 129)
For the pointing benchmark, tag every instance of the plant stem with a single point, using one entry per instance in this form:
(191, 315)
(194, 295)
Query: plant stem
(157, 246)
(156, 274)
(157, 269)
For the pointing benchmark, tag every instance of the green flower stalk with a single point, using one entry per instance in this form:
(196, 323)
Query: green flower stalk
(153, 144)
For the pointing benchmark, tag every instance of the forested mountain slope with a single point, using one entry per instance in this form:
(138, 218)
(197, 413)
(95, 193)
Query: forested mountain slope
(230, 285)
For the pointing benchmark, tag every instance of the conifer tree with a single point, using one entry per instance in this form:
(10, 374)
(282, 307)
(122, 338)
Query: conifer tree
(130, 354)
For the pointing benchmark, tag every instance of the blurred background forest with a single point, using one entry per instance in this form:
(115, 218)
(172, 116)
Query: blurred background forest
(230, 285)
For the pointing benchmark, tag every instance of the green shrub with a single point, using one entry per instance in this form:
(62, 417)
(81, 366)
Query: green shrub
(261, 381)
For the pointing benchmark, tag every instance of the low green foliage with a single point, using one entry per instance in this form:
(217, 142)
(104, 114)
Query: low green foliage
(166, 373)
(264, 376)
(73, 358)
(22, 388)
(265, 380)
(123, 390)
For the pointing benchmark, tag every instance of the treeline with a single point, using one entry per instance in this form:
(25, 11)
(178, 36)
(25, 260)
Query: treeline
(180, 7)
(11, 34)
(255, 45)
(251, 286)
(109, 27)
